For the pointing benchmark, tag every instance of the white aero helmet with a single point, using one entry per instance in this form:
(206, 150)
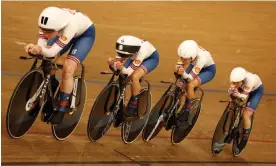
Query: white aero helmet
(238, 74)
(188, 49)
(127, 45)
(53, 18)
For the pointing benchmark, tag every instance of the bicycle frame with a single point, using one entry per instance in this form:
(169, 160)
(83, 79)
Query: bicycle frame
(173, 108)
(122, 85)
(237, 109)
(46, 66)
(44, 86)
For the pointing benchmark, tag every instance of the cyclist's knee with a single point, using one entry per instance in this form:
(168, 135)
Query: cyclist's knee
(67, 74)
(69, 68)
(191, 85)
(247, 113)
(136, 76)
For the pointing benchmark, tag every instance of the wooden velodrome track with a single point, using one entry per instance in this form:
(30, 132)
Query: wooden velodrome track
(236, 33)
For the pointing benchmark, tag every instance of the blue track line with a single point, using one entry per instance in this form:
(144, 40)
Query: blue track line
(153, 86)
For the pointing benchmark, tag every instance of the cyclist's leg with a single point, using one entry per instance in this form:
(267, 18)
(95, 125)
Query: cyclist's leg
(146, 67)
(252, 104)
(54, 81)
(206, 75)
(79, 51)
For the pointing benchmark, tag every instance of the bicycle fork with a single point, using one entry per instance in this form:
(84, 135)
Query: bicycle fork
(234, 125)
(236, 122)
(40, 93)
(114, 112)
(162, 118)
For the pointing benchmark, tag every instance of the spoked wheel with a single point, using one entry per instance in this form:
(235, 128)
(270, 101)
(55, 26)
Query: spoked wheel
(72, 116)
(18, 120)
(158, 117)
(100, 117)
(238, 137)
(180, 133)
(219, 136)
(132, 127)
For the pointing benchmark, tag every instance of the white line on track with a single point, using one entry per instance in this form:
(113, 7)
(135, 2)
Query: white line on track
(21, 43)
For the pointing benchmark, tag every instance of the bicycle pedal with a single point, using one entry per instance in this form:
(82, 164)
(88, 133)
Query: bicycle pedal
(49, 119)
(167, 127)
(228, 139)
(55, 107)
(71, 112)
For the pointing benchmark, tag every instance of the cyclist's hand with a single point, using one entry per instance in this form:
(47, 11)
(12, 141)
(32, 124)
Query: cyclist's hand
(176, 67)
(232, 91)
(118, 65)
(110, 61)
(181, 70)
(36, 50)
(28, 47)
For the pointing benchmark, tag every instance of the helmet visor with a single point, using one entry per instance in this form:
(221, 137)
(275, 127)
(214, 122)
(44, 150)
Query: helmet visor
(45, 30)
(124, 55)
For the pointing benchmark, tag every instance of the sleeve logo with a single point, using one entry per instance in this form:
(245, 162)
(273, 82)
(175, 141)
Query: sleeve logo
(246, 88)
(197, 70)
(63, 38)
(137, 62)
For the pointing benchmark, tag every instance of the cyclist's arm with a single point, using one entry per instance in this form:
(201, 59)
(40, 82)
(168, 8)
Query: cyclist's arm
(42, 39)
(245, 89)
(61, 42)
(134, 65)
(196, 69)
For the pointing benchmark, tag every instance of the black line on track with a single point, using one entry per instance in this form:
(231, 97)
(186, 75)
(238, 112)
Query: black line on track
(134, 161)
(144, 163)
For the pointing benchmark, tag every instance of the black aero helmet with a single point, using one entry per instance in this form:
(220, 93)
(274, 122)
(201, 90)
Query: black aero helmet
(126, 46)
